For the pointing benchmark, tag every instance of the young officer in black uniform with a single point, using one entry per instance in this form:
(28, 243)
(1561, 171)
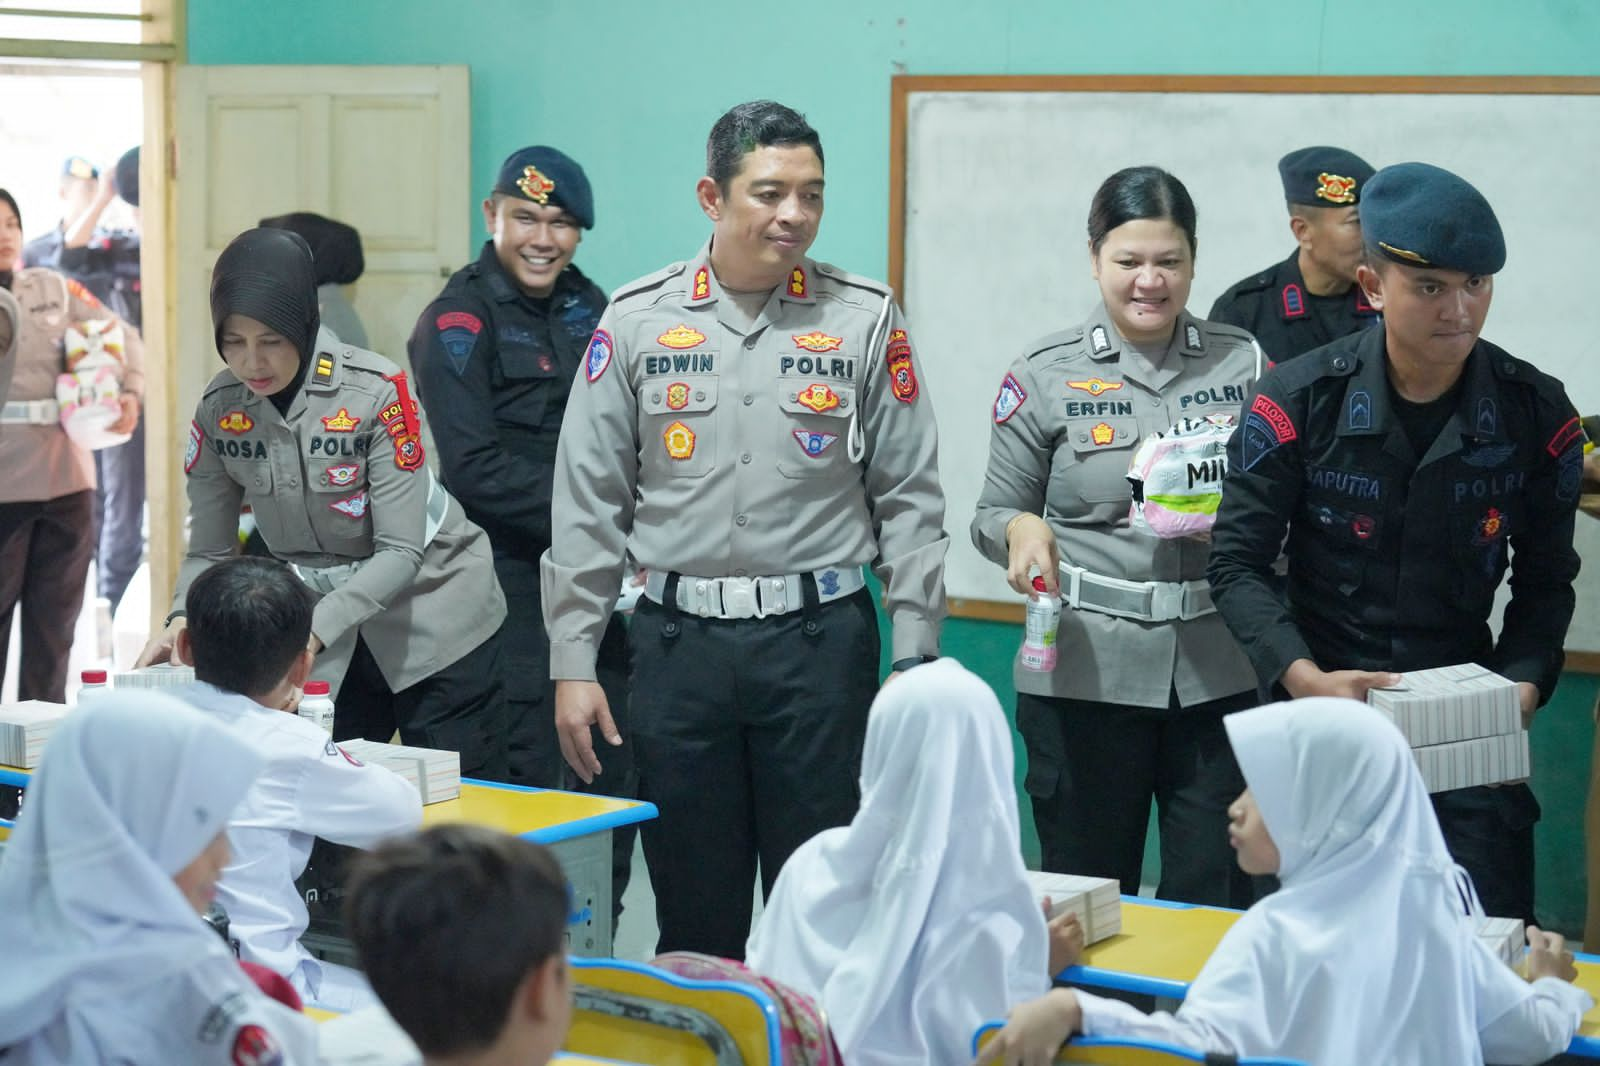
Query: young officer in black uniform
(1311, 298)
(1403, 462)
(495, 356)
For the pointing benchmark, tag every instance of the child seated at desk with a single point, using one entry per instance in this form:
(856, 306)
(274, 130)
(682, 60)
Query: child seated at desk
(115, 856)
(1366, 954)
(461, 930)
(915, 922)
(249, 621)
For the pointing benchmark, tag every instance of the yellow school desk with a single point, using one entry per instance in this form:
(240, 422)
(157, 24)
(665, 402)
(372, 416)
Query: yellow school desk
(576, 826)
(1163, 945)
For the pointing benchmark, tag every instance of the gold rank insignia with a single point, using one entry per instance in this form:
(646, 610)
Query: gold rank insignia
(677, 396)
(1402, 253)
(324, 371)
(679, 440)
(702, 284)
(681, 336)
(797, 283)
(236, 422)
(1095, 386)
(341, 422)
(818, 397)
(817, 341)
(1102, 434)
(535, 186)
(1336, 189)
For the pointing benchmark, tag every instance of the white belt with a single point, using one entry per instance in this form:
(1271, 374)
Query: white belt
(754, 597)
(1144, 601)
(30, 413)
(325, 579)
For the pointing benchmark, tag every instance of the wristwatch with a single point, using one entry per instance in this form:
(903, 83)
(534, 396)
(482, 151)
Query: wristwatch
(909, 661)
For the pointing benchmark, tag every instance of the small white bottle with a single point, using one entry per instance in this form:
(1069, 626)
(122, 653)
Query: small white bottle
(317, 706)
(1039, 638)
(95, 682)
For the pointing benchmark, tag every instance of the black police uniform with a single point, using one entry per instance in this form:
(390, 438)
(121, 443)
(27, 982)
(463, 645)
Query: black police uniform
(1395, 552)
(1284, 317)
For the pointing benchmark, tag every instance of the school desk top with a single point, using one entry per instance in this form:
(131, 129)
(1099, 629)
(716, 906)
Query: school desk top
(1163, 945)
(544, 816)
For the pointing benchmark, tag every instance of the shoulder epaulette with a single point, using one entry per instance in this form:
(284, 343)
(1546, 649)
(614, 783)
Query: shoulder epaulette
(361, 361)
(844, 277)
(1334, 361)
(1051, 342)
(649, 281)
(1508, 367)
(1254, 283)
(1226, 330)
(223, 379)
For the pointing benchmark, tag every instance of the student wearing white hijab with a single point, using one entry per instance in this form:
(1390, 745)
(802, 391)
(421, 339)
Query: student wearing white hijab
(1365, 955)
(915, 922)
(118, 849)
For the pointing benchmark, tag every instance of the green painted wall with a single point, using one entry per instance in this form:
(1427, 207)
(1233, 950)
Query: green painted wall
(630, 87)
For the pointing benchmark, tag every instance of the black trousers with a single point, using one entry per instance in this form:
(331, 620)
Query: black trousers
(749, 737)
(45, 548)
(534, 751)
(460, 708)
(1093, 769)
(119, 514)
(1489, 831)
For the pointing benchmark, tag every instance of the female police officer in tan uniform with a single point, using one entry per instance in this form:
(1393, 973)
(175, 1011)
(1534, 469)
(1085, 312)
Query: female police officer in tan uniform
(46, 480)
(325, 443)
(1134, 706)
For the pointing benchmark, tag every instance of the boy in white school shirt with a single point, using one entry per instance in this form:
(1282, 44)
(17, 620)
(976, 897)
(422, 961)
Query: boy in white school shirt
(249, 624)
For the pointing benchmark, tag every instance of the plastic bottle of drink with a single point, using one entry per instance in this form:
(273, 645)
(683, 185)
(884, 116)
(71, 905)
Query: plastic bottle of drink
(1039, 639)
(317, 706)
(94, 683)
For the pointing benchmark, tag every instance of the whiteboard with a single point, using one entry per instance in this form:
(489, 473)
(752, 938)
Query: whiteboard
(997, 187)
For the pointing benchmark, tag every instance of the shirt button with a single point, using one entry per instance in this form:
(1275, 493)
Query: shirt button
(294, 483)
(751, 341)
(749, 399)
(699, 396)
(1340, 362)
(1155, 401)
(1083, 437)
(740, 520)
(745, 458)
(655, 397)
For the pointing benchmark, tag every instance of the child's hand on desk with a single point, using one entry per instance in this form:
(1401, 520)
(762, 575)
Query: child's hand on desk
(1035, 1031)
(1066, 939)
(1548, 956)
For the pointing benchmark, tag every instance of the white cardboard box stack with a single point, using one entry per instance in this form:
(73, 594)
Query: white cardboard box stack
(1097, 901)
(436, 774)
(163, 675)
(1505, 937)
(1464, 725)
(24, 728)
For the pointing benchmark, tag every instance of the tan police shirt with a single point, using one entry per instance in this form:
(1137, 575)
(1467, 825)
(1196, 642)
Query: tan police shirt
(1067, 419)
(40, 461)
(699, 446)
(10, 329)
(342, 479)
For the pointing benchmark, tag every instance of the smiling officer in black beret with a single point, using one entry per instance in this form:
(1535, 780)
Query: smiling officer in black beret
(1411, 466)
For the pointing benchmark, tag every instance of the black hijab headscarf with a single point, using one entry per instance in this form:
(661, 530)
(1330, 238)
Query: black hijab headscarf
(335, 247)
(5, 268)
(267, 275)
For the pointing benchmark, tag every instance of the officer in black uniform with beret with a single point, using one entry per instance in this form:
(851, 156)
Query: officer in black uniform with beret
(494, 356)
(1403, 462)
(1311, 297)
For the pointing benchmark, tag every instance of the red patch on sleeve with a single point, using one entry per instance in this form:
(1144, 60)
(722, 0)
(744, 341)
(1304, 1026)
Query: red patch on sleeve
(1571, 430)
(77, 289)
(254, 1046)
(403, 425)
(897, 361)
(459, 320)
(1282, 428)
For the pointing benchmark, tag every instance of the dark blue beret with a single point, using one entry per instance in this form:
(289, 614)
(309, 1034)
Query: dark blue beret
(1419, 214)
(1323, 177)
(547, 176)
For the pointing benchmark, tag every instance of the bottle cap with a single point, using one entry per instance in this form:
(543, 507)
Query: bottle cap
(1038, 583)
(316, 688)
(94, 677)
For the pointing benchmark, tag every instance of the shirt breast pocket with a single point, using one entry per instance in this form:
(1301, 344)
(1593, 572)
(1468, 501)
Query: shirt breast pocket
(529, 375)
(339, 500)
(1092, 460)
(677, 427)
(813, 434)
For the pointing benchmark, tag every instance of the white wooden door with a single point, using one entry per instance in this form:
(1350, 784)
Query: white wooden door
(384, 149)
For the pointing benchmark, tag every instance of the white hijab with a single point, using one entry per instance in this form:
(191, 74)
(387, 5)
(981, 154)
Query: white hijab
(1370, 923)
(131, 789)
(914, 923)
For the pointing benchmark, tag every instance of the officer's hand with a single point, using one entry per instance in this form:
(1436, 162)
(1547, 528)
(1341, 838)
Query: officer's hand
(579, 705)
(1303, 679)
(1548, 956)
(1528, 698)
(1035, 1031)
(162, 647)
(130, 414)
(1066, 939)
(1030, 542)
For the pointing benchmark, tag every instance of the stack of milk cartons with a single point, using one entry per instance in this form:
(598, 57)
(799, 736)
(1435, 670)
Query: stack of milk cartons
(1464, 725)
(1504, 937)
(161, 675)
(436, 774)
(1097, 901)
(24, 728)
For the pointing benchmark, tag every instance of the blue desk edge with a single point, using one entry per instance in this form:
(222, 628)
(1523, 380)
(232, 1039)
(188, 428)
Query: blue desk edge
(641, 811)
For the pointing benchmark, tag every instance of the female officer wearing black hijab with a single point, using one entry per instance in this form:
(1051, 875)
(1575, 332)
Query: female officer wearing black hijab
(324, 442)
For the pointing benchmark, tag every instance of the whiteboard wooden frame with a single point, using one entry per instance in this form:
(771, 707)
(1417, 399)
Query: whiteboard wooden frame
(903, 87)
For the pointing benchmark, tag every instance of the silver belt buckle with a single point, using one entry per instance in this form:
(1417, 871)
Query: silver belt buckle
(739, 598)
(1166, 600)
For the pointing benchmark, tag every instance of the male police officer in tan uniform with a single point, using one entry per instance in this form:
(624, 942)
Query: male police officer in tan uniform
(751, 429)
